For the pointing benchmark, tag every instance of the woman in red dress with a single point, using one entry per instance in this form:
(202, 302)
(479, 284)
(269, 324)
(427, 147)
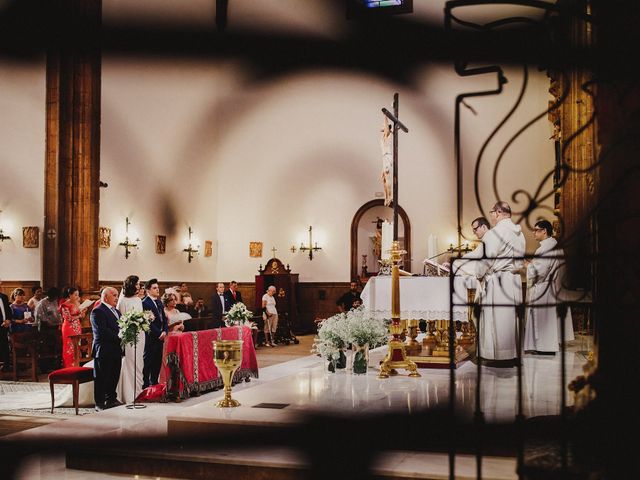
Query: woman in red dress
(71, 317)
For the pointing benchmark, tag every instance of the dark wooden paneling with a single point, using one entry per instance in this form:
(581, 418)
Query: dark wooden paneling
(9, 286)
(315, 299)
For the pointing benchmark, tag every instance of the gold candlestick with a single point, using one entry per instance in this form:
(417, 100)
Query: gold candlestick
(397, 355)
(227, 355)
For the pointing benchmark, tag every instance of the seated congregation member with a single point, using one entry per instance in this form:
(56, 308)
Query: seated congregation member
(345, 302)
(218, 306)
(199, 309)
(37, 296)
(107, 351)
(47, 313)
(270, 316)
(71, 323)
(232, 296)
(545, 271)
(154, 338)
(187, 300)
(20, 310)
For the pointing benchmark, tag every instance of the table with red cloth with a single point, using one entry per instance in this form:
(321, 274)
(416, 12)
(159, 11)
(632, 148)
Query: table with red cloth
(187, 361)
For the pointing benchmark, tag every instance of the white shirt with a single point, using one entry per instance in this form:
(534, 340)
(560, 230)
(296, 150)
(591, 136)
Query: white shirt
(271, 303)
(221, 297)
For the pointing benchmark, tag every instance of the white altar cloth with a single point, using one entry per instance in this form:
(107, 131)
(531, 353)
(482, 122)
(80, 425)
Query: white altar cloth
(425, 298)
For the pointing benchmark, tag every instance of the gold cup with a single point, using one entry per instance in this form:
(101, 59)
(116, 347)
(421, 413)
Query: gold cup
(227, 355)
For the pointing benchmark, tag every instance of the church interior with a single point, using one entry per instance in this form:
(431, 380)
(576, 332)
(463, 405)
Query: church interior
(203, 141)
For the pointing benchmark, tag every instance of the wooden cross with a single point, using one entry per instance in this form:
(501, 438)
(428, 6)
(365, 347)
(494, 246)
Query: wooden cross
(274, 250)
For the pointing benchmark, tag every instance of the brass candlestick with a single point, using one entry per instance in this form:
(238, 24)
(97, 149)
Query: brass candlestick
(413, 346)
(227, 355)
(397, 355)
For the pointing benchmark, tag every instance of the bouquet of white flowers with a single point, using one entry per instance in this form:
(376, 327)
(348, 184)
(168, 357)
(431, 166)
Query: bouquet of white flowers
(331, 339)
(131, 323)
(238, 315)
(364, 328)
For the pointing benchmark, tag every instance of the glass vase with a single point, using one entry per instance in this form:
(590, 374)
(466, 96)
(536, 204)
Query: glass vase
(360, 358)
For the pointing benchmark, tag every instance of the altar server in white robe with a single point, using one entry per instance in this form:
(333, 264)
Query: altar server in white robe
(465, 268)
(544, 286)
(501, 290)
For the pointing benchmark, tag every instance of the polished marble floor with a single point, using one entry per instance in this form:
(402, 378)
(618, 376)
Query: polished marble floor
(305, 385)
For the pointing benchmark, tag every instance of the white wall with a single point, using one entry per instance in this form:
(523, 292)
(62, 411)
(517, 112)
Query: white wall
(22, 126)
(201, 144)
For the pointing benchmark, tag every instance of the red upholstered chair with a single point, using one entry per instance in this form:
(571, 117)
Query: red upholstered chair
(70, 376)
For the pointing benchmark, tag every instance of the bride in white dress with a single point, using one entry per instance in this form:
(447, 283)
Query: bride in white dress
(130, 301)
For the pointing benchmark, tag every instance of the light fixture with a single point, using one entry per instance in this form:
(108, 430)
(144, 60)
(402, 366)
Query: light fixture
(310, 248)
(127, 244)
(462, 248)
(191, 252)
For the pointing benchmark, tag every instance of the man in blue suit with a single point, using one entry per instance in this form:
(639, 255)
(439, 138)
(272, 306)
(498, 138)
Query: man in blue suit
(154, 338)
(107, 351)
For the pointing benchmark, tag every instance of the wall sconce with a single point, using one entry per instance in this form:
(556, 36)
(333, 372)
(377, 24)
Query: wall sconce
(310, 248)
(191, 252)
(3, 237)
(128, 245)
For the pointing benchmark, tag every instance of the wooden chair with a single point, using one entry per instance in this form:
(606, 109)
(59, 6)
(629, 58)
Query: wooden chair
(70, 376)
(82, 348)
(49, 348)
(77, 374)
(23, 351)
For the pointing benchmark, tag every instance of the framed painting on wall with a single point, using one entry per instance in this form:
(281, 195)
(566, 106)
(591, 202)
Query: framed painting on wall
(208, 248)
(30, 237)
(104, 237)
(161, 244)
(255, 249)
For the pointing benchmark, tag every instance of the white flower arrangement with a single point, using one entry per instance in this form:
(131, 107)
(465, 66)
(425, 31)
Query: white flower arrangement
(239, 315)
(132, 323)
(363, 327)
(331, 337)
(357, 326)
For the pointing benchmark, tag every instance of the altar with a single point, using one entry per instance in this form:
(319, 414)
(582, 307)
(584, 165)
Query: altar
(187, 361)
(423, 298)
(428, 299)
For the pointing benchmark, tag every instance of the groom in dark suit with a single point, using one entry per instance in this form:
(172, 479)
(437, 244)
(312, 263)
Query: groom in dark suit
(107, 351)
(154, 338)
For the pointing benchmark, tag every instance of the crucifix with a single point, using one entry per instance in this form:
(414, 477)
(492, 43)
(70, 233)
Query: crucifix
(396, 356)
(273, 251)
(397, 125)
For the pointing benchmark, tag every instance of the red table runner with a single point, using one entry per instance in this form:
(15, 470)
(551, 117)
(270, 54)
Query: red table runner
(187, 361)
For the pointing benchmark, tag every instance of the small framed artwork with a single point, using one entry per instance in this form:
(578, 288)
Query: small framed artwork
(208, 248)
(104, 237)
(30, 237)
(255, 249)
(161, 244)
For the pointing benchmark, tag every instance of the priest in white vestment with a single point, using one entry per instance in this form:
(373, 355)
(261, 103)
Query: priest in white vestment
(501, 292)
(544, 285)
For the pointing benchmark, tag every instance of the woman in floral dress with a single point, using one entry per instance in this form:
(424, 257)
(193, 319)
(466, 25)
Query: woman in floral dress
(71, 317)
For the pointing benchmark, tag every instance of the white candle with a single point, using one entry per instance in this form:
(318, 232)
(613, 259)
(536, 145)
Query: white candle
(432, 247)
(387, 238)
